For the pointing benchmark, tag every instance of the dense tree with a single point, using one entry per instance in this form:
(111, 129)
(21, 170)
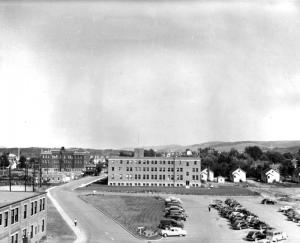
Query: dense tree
(287, 168)
(254, 151)
(288, 156)
(275, 157)
(4, 160)
(22, 162)
(149, 153)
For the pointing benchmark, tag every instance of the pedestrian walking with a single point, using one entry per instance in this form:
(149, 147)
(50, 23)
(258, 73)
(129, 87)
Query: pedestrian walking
(75, 222)
(208, 208)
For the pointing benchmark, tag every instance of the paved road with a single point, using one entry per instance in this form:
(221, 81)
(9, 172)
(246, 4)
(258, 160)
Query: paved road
(95, 226)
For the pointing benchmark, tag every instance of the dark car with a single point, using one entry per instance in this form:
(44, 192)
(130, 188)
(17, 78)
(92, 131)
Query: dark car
(261, 225)
(166, 223)
(255, 235)
(268, 201)
(240, 225)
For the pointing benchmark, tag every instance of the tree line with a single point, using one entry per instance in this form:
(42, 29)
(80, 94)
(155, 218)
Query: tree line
(252, 160)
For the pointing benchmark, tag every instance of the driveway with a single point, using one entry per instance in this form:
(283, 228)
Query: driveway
(94, 226)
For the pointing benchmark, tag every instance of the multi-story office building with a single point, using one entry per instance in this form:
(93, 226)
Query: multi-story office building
(64, 160)
(23, 217)
(154, 171)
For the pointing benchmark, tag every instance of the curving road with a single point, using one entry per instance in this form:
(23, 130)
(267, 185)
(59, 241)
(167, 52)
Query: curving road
(93, 226)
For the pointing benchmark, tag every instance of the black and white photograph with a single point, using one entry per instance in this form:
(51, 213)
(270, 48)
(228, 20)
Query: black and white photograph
(142, 121)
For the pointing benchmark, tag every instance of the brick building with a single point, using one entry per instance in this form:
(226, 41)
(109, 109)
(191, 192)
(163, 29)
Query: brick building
(23, 217)
(154, 171)
(64, 160)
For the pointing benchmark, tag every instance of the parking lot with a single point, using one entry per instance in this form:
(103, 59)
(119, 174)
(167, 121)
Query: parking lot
(209, 227)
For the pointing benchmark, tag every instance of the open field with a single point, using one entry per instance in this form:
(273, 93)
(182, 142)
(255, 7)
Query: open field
(224, 190)
(57, 229)
(130, 212)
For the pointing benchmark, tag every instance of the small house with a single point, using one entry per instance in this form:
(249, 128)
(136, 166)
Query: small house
(270, 176)
(238, 175)
(207, 175)
(220, 179)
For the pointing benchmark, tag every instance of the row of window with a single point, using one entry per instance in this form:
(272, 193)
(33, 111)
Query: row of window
(33, 231)
(153, 177)
(14, 213)
(153, 162)
(57, 156)
(155, 169)
(151, 184)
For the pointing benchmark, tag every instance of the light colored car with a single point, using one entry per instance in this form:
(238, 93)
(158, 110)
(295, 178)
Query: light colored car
(276, 235)
(173, 231)
(284, 208)
(264, 241)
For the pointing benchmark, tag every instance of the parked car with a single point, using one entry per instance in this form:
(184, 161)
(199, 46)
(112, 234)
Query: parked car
(176, 216)
(240, 225)
(285, 208)
(268, 201)
(167, 223)
(173, 231)
(276, 235)
(261, 225)
(255, 235)
(264, 241)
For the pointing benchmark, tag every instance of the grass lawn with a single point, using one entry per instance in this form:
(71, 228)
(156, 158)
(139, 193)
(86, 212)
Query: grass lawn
(57, 229)
(226, 190)
(129, 211)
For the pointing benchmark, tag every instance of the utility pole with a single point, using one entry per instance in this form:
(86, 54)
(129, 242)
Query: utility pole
(9, 177)
(33, 176)
(40, 172)
(26, 173)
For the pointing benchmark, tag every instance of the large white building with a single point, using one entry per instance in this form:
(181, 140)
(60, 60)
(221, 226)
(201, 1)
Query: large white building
(154, 171)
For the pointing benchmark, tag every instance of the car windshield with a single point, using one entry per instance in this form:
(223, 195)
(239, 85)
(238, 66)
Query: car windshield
(251, 233)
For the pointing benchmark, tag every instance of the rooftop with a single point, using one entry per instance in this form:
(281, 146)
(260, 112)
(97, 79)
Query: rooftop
(7, 198)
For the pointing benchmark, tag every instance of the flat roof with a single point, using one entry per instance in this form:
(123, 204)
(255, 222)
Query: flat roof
(7, 198)
(154, 158)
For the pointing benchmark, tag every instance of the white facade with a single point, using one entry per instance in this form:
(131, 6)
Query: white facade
(238, 175)
(220, 179)
(207, 175)
(271, 176)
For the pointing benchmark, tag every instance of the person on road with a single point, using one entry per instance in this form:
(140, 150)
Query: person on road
(208, 208)
(75, 222)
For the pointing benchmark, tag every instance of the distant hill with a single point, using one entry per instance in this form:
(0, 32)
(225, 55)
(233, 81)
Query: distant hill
(280, 146)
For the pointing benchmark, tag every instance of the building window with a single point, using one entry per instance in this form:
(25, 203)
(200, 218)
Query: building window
(195, 162)
(5, 219)
(31, 208)
(25, 211)
(41, 204)
(16, 214)
(44, 201)
(35, 207)
(112, 168)
(31, 231)
(24, 234)
(187, 173)
(14, 238)
(0, 218)
(43, 225)
(187, 164)
(12, 216)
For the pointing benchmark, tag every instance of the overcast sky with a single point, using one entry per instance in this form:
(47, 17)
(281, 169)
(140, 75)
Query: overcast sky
(116, 74)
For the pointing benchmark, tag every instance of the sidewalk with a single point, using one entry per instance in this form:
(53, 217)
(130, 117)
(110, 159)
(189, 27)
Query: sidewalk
(80, 236)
